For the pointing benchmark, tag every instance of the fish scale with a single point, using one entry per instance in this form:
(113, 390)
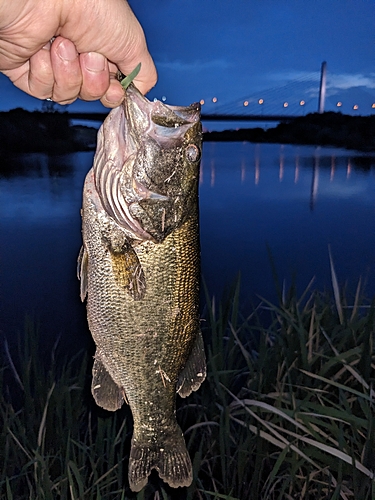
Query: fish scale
(140, 271)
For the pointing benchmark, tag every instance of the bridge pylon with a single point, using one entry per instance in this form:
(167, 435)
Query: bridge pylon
(322, 88)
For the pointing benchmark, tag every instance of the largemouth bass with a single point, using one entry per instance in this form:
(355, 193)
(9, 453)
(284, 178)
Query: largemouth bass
(139, 268)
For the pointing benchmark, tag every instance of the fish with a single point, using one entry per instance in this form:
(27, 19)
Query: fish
(139, 271)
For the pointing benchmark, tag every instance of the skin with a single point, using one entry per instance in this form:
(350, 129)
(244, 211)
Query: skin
(94, 39)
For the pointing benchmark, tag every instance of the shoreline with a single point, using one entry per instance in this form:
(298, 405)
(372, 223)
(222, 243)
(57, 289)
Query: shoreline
(24, 131)
(326, 129)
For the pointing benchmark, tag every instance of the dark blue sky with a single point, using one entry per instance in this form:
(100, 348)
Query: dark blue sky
(233, 49)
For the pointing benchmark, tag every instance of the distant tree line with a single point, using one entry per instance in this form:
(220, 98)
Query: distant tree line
(37, 131)
(326, 129)
(52, 132)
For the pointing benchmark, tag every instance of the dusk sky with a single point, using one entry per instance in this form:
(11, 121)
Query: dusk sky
(235, 49)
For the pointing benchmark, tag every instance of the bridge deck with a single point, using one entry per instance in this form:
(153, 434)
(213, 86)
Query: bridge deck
(205, 117)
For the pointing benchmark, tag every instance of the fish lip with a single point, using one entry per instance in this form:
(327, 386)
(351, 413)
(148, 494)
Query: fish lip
(190, 113)
(162, 123)
(155, 111)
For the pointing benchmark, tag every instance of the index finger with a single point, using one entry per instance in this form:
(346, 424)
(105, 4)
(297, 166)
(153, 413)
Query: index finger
(138, 53)
(116, 34)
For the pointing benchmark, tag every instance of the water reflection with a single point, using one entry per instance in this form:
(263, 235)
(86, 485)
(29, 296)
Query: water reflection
(40, 238)
(310, 159)
(212, 183)
(281, 164)
(333, 167)
(257, 164)
(296, 170)
(348, 169)
(295, 200)
(315, 180)
(36, 163)
(40, 186)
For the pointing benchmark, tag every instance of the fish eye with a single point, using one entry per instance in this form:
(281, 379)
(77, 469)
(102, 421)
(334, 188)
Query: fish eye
(192, 153)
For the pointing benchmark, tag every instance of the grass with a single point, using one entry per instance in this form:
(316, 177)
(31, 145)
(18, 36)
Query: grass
(286, 411)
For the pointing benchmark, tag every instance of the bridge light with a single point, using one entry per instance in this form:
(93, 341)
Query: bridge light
(163, 98)
(285, 104)
(355, 106)
(302, 103)
(246, 103)
(339, 104)
(261, 101)
(201, 102)
(373, 105)
(214, 99)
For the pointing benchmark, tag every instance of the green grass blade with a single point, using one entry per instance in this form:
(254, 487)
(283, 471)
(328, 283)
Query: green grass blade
(125, 82)
(336, 290)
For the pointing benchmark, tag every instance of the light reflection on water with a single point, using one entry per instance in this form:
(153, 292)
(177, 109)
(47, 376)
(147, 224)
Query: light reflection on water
(295, 200)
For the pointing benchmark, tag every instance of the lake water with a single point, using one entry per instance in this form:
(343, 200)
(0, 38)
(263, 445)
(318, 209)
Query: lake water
(294, 201)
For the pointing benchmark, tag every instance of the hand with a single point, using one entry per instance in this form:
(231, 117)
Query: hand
(94, 39)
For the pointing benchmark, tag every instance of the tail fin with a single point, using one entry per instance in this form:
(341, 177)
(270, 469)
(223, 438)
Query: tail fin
(171, 461)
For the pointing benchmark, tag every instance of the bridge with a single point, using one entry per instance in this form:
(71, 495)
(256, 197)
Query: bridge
(299, 96)
(217, 117)
(276, 104)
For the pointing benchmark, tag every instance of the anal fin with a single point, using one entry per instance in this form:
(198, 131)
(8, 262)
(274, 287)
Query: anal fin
(106, 392)
(194, 372)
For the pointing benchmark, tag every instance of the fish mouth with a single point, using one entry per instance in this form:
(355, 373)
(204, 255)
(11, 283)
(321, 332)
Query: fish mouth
(130, 131)
(162, 122)
(173, 115)
(168, 116)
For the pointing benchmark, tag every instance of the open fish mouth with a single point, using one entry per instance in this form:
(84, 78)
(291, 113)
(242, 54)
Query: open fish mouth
(162, 122)
(134, 164)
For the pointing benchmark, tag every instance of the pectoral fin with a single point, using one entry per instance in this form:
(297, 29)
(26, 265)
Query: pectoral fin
(106, 392)
(128, 272)
(194, 371)
(82, 272)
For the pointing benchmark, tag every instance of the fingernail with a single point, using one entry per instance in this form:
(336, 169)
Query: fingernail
(114, 95)
(94, 61)
(67, 51)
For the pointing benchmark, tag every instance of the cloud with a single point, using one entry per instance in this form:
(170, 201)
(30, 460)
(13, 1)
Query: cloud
(344, 81)
(359, 85)
(341, 81)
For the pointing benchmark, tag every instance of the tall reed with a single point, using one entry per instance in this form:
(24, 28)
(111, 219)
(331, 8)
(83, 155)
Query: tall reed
(286, 411)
